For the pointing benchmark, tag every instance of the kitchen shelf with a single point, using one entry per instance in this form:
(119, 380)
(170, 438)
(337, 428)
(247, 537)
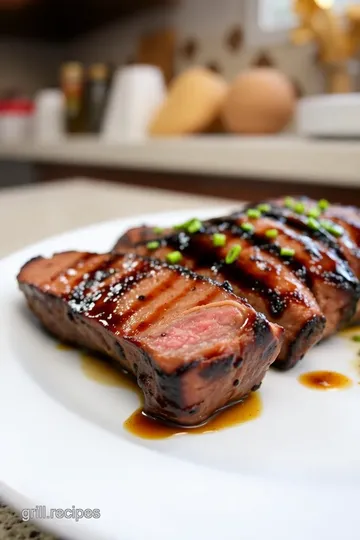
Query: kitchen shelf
(286, 158)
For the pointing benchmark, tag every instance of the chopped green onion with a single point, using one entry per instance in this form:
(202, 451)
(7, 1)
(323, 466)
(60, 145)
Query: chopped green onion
(219, 240)
(264, 207)
(233, 254)
(287, 252)
(332, 228)
(247, 227)
(253, 213)
(153, 245)
(326, 224)
(271, 233)
(356, 338)
(299, 208)
(158, 230)
(289, 202)
(174, 257)
(337, 231)
(313, 224)
(314, 213)
(323, 204)
(194, 226)
(183, 226)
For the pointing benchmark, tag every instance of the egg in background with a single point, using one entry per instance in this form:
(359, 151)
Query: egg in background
(260, 101)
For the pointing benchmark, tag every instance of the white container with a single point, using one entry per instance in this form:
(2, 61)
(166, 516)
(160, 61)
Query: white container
(136, 93)
(15, 121)
(49, 117)
(329, 116)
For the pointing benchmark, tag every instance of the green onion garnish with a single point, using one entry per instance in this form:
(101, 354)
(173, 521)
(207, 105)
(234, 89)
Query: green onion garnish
(158, 230)
(219, 240)
(247, 227)
(314, 213)
(299, 208)
(356, 338)
(271, 233)
(174, 257)
(332, 228)
(264, 207)
(313, 224)
(323, 204)
(194, 226)
(183, 226)
(253, 213)
(289, 202)
(233, 254)
(153, 245)
(287, 252)
(337, 231)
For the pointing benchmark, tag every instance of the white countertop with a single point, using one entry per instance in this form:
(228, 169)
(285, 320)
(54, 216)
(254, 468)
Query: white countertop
(30, 213)
(290, 158)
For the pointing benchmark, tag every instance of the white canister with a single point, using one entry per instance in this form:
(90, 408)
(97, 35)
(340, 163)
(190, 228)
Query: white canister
(136, 93)
(49, 118)
(16, 117)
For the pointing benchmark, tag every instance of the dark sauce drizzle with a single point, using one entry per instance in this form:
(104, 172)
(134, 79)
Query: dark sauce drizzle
(197, 247)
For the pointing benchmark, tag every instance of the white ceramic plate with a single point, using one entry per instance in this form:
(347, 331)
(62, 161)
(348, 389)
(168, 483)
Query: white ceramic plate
(294, 473)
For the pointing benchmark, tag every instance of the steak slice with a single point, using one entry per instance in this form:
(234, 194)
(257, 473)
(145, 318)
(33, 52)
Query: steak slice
(268, 284)
(346, 245)
(193, 346)
(319, 267)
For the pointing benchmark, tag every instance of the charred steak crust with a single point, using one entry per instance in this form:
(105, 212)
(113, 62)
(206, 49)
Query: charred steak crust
(193, 346)
(320, 268)
(346, 246)
(262, 277)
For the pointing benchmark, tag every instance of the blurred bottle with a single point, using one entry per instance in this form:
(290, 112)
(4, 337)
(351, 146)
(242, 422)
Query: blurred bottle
(73, 87)
(98, 84)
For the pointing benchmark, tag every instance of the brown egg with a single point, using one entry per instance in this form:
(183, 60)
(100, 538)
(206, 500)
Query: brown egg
(193, 104)
(260, 101)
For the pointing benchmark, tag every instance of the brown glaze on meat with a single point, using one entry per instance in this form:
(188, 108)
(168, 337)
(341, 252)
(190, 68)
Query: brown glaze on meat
(346, 246)
(193, 346)
(325, 273)
(265, 280)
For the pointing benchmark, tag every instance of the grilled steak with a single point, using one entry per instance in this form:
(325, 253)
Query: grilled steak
(260, 274)
(346, 240)
(193, 346)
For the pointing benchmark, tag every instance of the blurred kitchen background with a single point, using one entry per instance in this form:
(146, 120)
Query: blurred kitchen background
(236, 99)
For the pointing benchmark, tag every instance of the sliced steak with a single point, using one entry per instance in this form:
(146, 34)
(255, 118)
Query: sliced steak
(193, 346)
(320, 268)
(265, 280)
(346, 244)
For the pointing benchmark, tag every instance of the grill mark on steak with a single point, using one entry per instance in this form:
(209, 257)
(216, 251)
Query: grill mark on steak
(346, 246)
(155, 313)
(171, 370)
(257, 276)
(327, 275)
(203, 255)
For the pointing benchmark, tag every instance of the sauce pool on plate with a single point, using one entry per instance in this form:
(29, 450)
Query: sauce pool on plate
(325, 380)
(147, 428)
(142, 426)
